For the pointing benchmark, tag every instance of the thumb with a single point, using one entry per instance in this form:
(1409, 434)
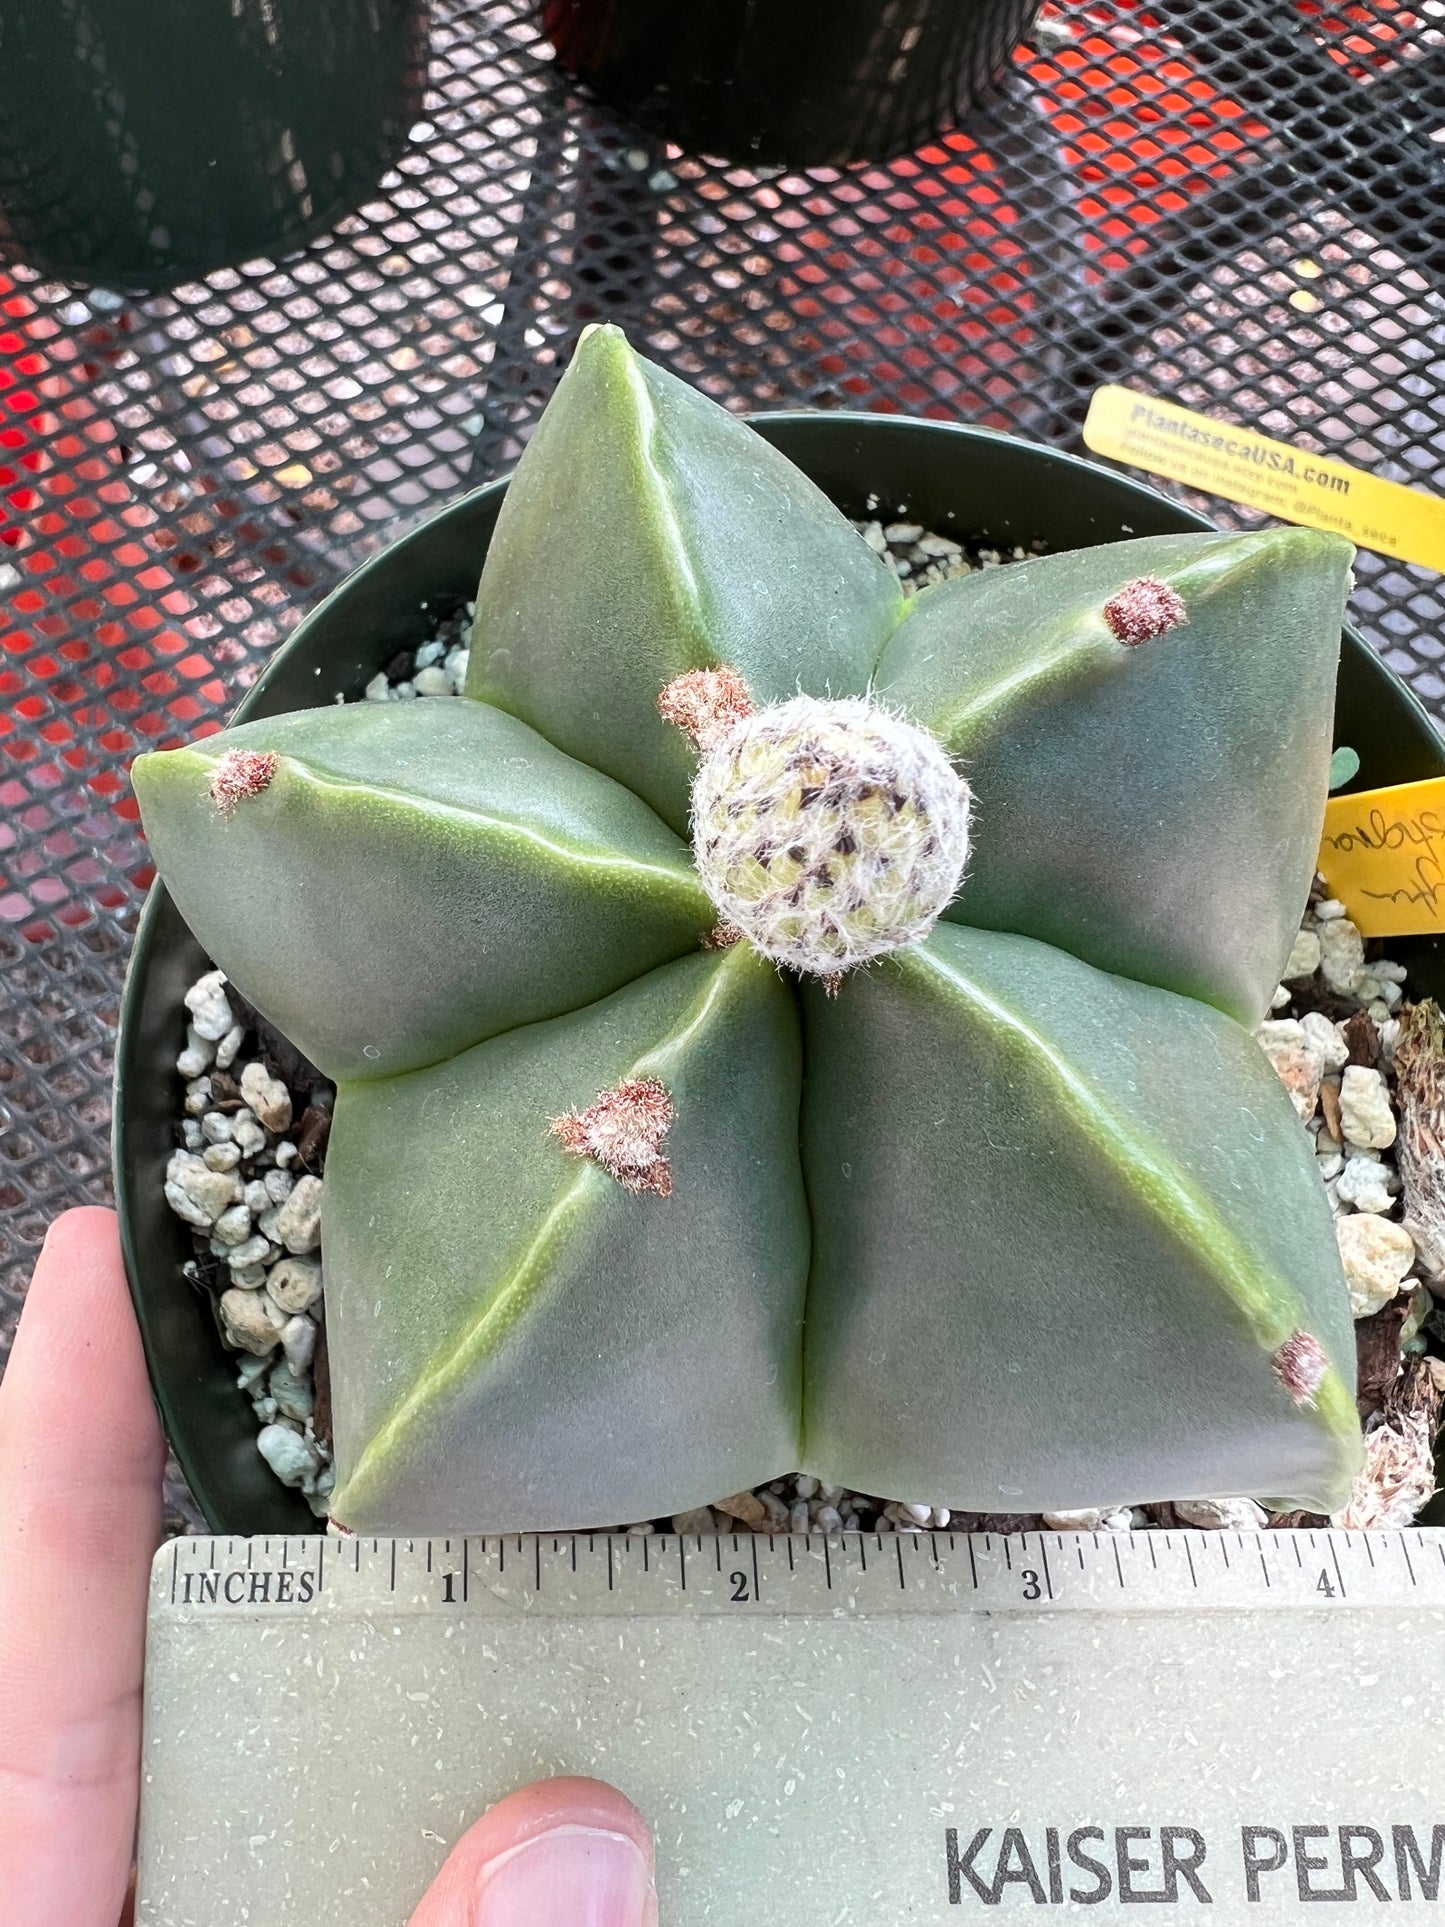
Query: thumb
(562, 1853)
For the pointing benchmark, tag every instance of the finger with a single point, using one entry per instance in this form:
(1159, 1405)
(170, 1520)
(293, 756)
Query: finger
(81, 1455)
(563, 1853)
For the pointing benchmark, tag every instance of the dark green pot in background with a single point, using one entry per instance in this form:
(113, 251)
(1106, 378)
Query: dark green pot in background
(960, 481)
(797, 83)
(147, 142)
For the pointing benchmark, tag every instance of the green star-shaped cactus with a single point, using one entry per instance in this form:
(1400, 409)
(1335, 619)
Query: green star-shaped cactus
(1004, 1210)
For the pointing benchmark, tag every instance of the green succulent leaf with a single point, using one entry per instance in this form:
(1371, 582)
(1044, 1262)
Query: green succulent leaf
(516, 1342)
(1156, 809)
(648, 532)
(1344, 767)
(416, 877)
(1063, 1222)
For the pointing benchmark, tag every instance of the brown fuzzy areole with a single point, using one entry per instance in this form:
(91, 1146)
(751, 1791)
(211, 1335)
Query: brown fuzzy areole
(1144, 610)
(1300, 1365)
(705, 703)
(622, 1131)
(241, 773)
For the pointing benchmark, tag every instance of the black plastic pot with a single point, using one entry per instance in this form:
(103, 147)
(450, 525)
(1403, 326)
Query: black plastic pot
(962, 481)
(146, 142)
(800, 83)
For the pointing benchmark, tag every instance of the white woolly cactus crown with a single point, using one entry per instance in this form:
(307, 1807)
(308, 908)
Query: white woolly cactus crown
(827, 832)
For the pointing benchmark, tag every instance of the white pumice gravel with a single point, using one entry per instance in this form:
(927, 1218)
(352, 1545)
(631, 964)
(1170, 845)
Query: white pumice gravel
(195, 1192)
(267, 1096)
(1112, 1519)
(1342, 953)
(250, 1321)
(298, 1341)
(1365, 1184)
(211, 1015)
(1330, 1036)
(232, 1181)
(298, 1220)
(1222, 1515)
(1377, 1255)
(294, 1284)
(1365, 1109)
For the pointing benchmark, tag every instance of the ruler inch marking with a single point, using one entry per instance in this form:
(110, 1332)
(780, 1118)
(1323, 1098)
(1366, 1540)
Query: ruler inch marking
(1081, 1572)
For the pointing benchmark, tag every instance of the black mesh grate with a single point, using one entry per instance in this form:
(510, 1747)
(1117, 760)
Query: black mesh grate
(1236, 203)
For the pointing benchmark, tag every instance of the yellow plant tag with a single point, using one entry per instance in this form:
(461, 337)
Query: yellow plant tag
(1293, 483)
(1383, 855)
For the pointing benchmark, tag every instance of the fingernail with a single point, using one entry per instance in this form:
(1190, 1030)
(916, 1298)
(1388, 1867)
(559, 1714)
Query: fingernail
(567, 1876)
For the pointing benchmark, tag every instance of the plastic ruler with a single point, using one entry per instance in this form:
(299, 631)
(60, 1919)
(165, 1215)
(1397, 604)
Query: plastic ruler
(920, 1728)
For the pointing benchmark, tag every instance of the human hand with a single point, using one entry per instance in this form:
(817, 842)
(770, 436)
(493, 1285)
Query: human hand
(81, 1454)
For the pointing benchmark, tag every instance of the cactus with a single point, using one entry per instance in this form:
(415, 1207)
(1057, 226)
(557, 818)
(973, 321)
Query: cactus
(904, 1130)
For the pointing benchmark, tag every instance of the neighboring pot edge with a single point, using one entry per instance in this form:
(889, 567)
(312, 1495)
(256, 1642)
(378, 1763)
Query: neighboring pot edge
(965, 481)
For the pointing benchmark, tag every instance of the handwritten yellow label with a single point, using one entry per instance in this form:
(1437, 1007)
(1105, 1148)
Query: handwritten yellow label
(1293, 483)
(1383, 856)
